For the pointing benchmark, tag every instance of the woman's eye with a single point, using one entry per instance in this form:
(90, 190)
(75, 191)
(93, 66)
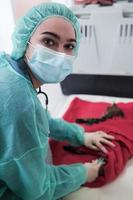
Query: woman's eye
(70, 46)
(48, 42)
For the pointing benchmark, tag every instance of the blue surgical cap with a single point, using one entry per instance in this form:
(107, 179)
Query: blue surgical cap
(26, 25)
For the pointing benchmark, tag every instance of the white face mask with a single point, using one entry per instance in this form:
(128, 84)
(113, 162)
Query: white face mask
(50, 66)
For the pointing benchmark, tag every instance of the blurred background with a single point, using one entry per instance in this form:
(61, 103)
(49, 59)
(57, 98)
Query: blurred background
(109, 27)
(10, 11)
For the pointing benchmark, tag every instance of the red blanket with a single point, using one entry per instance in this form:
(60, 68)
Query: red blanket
(121, 128)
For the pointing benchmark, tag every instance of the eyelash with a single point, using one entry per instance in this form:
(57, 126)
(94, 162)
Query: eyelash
(47, 42)
(70, 46)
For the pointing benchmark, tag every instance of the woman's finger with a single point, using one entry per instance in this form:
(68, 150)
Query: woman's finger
(103, 140)
(94, 147)
(101, 133)
(110, 137)
(101, 147)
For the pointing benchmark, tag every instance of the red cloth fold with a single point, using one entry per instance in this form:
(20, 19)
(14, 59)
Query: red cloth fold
(121, 128)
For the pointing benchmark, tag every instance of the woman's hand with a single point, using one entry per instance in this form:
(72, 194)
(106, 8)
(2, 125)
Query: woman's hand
(93, 170)
(96, 140)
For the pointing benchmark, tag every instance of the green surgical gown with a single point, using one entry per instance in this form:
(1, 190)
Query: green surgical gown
(25, 128)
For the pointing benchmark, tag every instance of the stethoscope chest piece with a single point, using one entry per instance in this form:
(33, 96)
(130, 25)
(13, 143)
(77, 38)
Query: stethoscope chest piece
(40, 92)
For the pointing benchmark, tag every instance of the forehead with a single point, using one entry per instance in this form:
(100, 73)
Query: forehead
(57, 25)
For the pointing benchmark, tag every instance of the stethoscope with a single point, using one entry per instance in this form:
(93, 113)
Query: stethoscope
(39, 90)
(46, 97)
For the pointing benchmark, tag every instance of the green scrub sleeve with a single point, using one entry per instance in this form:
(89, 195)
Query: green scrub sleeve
(62, 130)
(30, 178)
(24, 134)
(24, 148)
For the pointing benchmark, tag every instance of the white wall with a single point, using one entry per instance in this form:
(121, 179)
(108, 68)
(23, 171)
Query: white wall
(66, 2)
(20, 7)
(6, 25)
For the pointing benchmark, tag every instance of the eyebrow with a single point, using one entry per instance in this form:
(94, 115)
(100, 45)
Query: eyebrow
(58, 37)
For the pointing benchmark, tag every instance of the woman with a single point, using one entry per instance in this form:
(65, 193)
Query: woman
(45, 44)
